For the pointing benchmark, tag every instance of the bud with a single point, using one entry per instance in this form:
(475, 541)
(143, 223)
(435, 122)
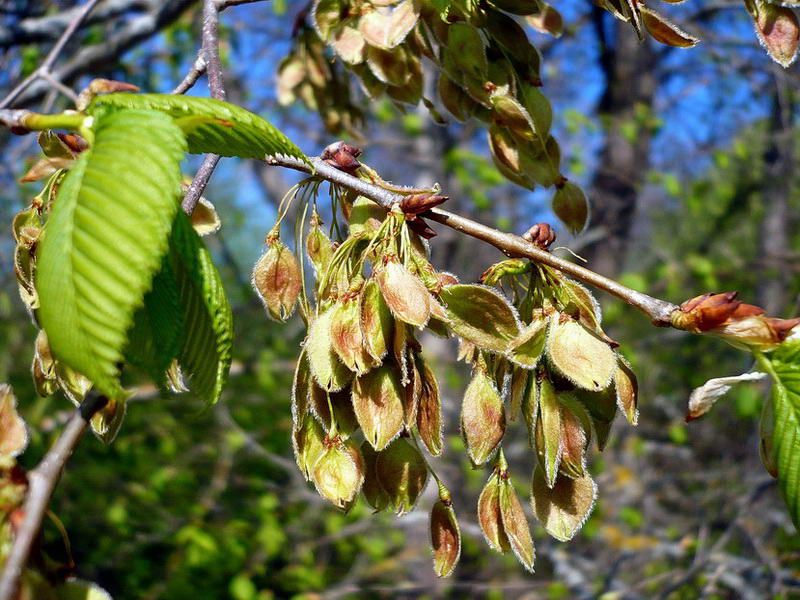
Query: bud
(413, 205)
(563, 507)
(515, 524)
(301, 390)
(318, 247)
(429, 413)
(405, 294)
(602, 408)
(402, 473)
(547, 20)
(540, 234)
(13, 434)
(411, 390)
(342, 156)
(291, 73)
(704, 397)
(446, 278)
(490, 516)
(328, 371)
(527, 348)
(399, 347)
(777, 29)
(668, 33)
(349, 45)
(277, 280)
(571, 206)
(548, 431)
(575, 436)
(579, 355)
(107, 421)
(510, 266)
(509, 158)
(346, 336)
(376, 321)
(307, 443)
(53, 146)
(344, 417)
(102, 86)
(741, 325)
(44, 168)
(483, 420)
(445, 535)
(365, 217)
(378, 405)
(339, 472)
(374, 494)
(626, 389)
(481, 315)
(44, 367)
(519, 384)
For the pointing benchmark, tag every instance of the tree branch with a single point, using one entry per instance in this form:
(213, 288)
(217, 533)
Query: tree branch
(41, 483)
(50, 27)
(98, 56)
(657, 310)
(210, 55)
(43, 71)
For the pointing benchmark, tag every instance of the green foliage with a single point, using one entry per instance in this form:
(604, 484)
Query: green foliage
(207, 318)
(785, 443)
(104, 240)
(156, 336)
(211, 126)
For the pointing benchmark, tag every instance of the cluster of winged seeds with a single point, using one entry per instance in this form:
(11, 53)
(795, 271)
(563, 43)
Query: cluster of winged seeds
(366, 405)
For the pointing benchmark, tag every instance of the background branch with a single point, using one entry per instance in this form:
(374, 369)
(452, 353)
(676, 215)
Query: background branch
(210, 55)
(41, 483)
(43, 71)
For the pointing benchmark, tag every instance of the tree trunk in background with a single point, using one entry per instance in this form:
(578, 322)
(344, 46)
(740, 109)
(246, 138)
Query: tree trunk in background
(628, 66)
(778, 162)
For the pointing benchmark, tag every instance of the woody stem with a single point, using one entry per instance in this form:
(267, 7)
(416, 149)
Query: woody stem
(657, 310)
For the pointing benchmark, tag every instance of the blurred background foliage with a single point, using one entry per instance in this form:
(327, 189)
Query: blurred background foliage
(688, 159)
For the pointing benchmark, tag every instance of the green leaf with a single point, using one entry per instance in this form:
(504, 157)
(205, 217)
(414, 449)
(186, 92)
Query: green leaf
(210, 125)
(104, 240)
(157, 333)
(785, 370)
(207, 319)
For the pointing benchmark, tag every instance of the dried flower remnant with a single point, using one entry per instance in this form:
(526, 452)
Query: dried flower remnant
(541, 353)
(445, 535)
(276, 278)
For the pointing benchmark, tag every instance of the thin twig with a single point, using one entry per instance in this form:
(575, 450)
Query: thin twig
(43, 70)
(210, 52)
(41, 483)
(657, 310)
(199, 183)
(223, 4)
(198, 68)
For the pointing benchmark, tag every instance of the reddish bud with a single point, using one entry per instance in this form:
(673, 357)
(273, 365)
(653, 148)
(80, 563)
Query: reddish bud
(738, 323)
(342, 156)
(540, 234)
(416, 204)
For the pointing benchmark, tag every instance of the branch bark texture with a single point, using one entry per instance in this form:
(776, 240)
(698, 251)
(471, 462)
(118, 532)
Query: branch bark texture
(657, 310)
